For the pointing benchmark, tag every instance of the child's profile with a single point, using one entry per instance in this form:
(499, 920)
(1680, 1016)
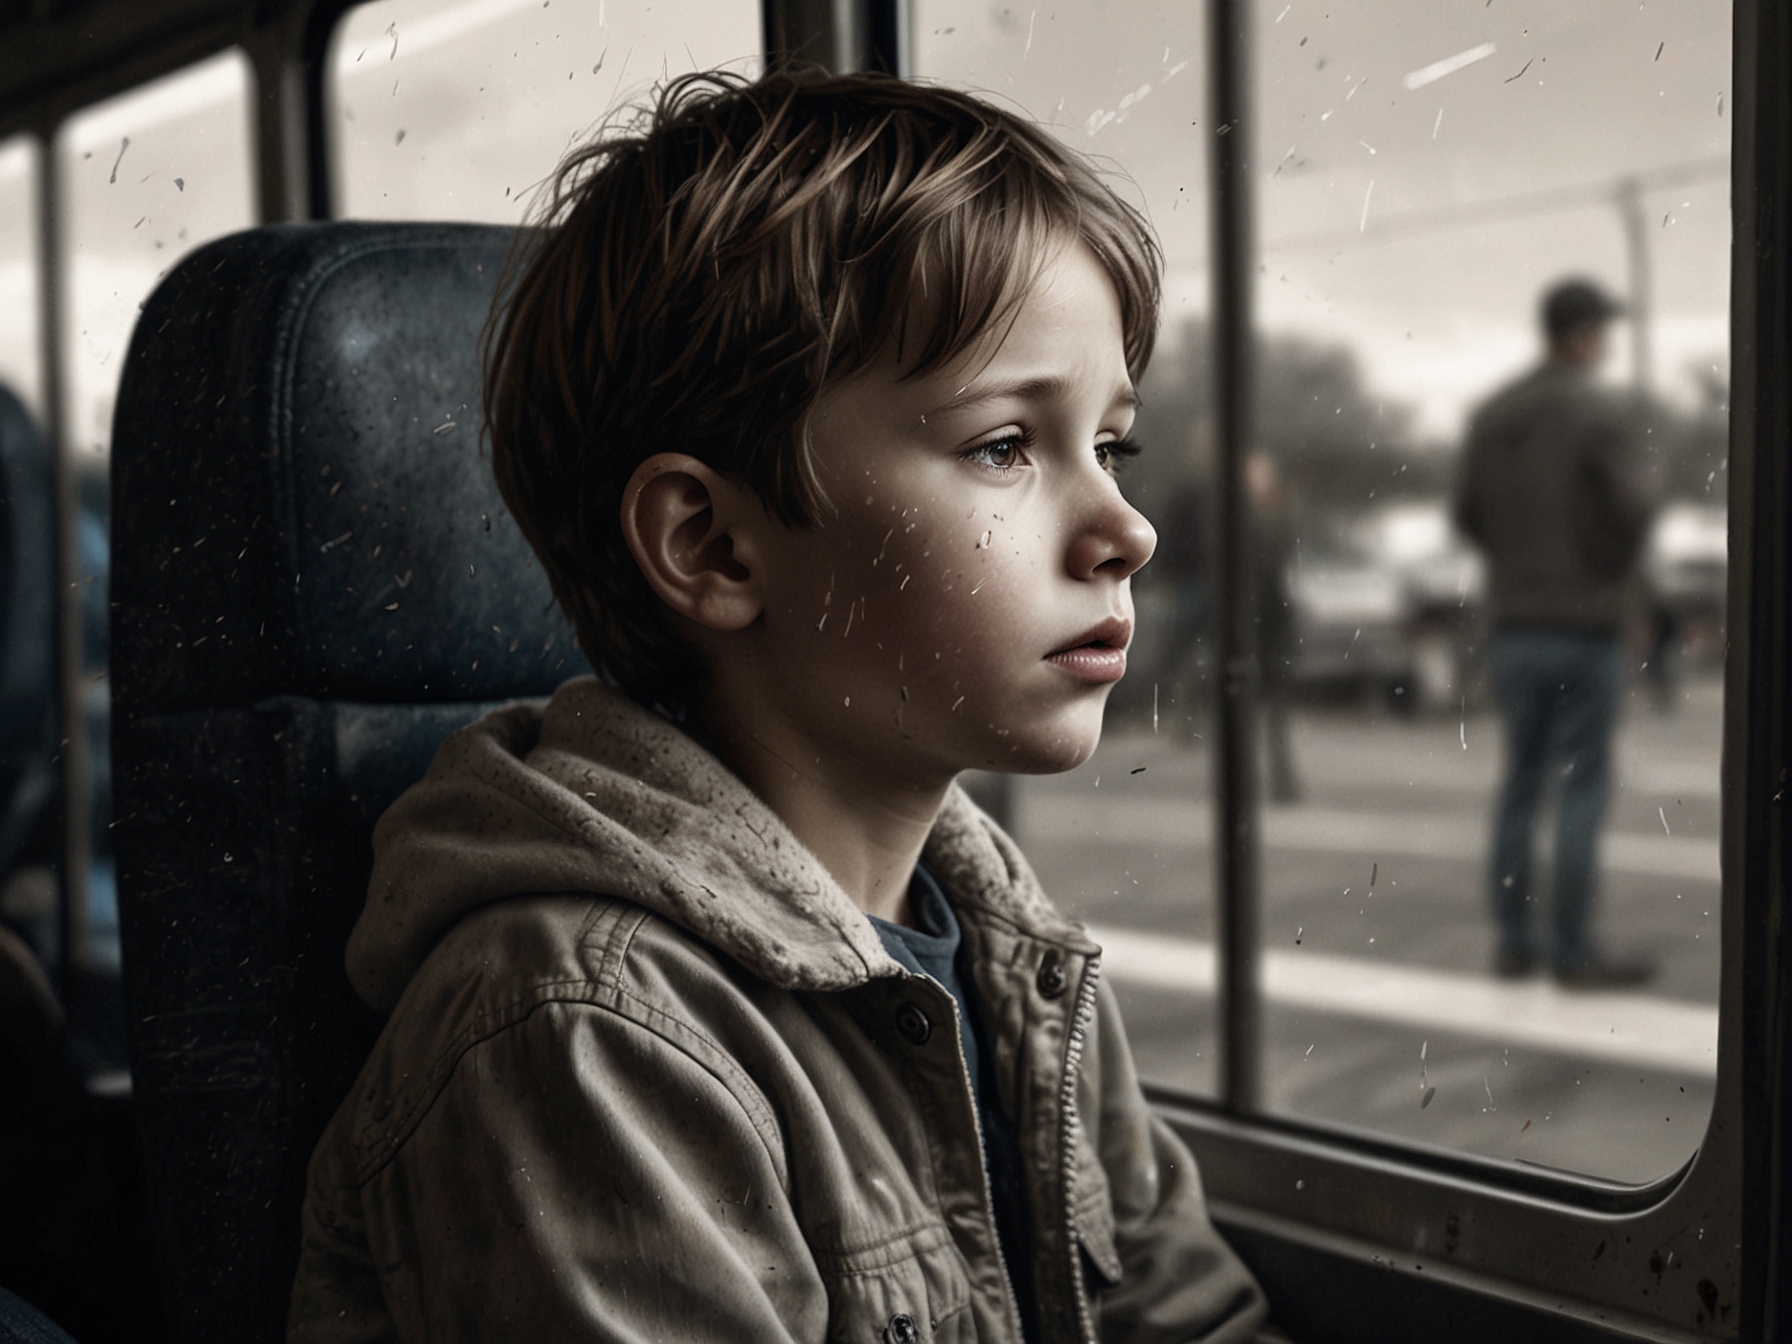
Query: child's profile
(717, 1011)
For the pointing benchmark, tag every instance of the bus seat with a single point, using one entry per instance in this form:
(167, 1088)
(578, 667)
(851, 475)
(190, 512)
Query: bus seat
(27, 631)
(22, 1323)
(314, 581)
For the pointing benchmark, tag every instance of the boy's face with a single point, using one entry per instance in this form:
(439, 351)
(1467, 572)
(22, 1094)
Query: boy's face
(964, 600)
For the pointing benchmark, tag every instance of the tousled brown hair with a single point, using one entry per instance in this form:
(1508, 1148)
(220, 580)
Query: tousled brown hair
(695, 277)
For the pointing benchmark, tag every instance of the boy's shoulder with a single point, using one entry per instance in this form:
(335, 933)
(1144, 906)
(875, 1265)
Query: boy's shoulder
(587, 962)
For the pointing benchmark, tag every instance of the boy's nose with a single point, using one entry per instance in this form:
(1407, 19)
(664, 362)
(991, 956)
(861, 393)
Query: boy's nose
(1115, 540)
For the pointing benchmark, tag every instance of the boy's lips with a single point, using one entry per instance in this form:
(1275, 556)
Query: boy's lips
(1097, 655)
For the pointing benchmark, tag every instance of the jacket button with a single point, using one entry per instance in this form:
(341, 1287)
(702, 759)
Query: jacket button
(902, 1329)
(1051, 978)
(915, 1029)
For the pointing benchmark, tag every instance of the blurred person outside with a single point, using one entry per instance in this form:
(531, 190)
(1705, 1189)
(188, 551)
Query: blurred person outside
(1182, 563)
(1550, 491)
(1272, 549)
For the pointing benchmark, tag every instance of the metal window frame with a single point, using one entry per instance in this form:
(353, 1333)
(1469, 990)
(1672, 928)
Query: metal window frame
(1394, 1239)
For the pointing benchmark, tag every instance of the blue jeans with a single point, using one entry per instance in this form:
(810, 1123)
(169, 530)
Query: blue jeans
(1558, 693)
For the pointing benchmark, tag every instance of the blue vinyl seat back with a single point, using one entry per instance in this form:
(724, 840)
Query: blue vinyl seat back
(314, 581)
(22, 1323)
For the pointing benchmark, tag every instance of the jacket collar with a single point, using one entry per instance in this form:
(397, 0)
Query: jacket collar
(591, 792)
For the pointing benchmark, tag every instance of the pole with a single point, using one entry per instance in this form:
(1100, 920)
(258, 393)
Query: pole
(71, 707)
(1235, 813)
(1629, 199)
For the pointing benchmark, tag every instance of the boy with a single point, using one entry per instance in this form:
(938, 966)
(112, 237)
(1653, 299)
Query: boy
(717, 1011)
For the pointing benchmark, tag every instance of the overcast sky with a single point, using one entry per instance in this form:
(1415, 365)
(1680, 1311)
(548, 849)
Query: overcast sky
(1551, 94)
(454, 110)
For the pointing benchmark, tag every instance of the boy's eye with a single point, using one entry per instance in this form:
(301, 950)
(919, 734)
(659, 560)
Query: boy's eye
(1115, 453)
(1003, 454)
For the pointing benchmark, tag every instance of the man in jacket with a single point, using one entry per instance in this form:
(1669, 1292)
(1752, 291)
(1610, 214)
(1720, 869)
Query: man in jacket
(1549, 490)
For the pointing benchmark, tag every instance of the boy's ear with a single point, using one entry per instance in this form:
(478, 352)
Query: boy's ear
(683, 522)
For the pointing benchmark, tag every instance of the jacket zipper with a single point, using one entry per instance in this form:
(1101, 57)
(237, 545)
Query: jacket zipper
(989, 1203)
(1067, 1135)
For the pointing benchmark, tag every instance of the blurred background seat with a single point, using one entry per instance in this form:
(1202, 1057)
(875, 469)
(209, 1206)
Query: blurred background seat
(27, 665)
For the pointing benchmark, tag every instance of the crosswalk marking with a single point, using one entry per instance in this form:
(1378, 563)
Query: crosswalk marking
(1627, 1028)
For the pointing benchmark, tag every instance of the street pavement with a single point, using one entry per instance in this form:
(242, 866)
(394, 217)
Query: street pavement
(1381, 1013)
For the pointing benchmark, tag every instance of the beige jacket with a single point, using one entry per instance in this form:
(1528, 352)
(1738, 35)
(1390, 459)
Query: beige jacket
(649, 1075)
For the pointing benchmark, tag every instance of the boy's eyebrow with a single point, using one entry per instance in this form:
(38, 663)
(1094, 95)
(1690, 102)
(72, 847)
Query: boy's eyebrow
(1042, 387)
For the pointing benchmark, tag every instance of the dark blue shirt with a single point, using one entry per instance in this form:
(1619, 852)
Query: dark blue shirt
(935, 949)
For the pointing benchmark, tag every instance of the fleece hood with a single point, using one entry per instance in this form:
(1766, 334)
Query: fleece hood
(591, 793)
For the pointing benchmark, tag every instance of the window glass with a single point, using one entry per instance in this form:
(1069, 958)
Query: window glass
(147, 177)
(1123, 843)
(457, 111)
(19, 298)
(1471, 737)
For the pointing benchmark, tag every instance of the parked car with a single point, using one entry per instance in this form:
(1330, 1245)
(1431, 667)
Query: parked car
(1349, 614)
(1444, 582)
(1685, 561)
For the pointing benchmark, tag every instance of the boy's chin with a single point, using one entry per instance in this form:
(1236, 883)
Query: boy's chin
(1046, 750)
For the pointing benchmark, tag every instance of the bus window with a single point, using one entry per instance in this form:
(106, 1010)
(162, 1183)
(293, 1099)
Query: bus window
(1442, 960)
(458, 111)
(146, 177)
(19, 296)
(1421, 179)
(1123, 843)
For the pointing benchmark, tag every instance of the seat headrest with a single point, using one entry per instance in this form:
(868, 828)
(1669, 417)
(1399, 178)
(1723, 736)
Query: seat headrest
(301, 503)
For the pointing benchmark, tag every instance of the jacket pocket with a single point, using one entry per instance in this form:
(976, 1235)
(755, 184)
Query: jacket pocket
(1095, 1234)
(908, 1290)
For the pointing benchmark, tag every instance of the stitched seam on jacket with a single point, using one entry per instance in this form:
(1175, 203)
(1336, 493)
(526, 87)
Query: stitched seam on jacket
(765, 1121)
(371, 1154)
(367, 1167)
(502, 1013)
(493, 1021)
(911, 1243)
(730, 1074)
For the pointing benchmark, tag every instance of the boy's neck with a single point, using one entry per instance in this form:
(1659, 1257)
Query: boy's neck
(867, 832)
